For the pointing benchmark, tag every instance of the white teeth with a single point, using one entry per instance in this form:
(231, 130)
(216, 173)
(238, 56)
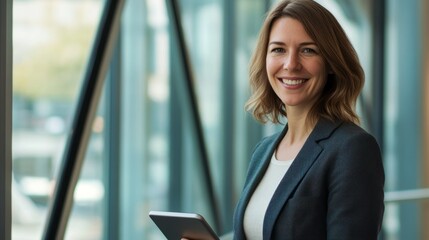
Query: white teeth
(292, 82)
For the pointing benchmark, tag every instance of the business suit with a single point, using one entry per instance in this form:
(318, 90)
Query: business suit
(332, 190)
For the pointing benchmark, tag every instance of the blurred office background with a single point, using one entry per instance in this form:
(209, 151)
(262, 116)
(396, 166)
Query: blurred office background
(152, 148)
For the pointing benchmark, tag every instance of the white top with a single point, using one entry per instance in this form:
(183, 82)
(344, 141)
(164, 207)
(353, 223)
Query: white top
(258, 204)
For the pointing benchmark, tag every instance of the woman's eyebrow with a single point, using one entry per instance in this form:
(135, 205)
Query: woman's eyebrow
(301, 44)
(276, 43)
(307, 43)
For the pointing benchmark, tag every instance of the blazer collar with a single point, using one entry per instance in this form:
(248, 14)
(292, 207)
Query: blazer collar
(302, 163)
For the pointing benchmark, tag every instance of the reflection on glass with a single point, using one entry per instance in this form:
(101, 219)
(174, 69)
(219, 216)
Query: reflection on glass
(52, 40)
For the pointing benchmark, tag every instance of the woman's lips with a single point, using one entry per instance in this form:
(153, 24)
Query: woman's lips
(292, 82)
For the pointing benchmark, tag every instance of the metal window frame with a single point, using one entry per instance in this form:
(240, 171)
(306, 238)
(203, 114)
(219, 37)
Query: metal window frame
(379, 67)
(85, 112)
(5, 118)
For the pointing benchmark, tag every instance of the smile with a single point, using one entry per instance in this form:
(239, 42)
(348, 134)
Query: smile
(292, 82)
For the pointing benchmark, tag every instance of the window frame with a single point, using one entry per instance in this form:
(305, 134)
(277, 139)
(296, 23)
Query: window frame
(6, 119)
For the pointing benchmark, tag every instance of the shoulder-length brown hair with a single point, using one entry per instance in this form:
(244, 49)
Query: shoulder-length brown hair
(345, 79)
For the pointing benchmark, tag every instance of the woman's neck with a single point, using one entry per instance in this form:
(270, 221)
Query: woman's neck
(298, 131)
(299, 127)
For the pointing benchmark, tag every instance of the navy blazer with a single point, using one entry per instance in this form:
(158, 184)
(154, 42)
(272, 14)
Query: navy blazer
(332, 190)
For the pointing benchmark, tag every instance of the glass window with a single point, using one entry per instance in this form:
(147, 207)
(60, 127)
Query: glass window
(144, 139)
(403, 117)
(161, 167)
(52, 41)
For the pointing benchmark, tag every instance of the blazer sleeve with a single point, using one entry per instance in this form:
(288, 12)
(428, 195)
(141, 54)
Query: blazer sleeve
(356, 190)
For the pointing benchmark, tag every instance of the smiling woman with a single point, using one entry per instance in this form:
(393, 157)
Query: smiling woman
(323, 173)
(332, 45)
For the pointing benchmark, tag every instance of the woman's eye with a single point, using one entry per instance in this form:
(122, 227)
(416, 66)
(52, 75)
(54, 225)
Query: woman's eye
(277, 50)
(309, 51)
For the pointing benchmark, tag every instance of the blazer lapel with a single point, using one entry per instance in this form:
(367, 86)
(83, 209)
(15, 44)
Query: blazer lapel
(255, 175)
(302, 163)
(259, 171)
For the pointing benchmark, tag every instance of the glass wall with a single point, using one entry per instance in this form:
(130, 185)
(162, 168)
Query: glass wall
(52, 41)
(146, 151)
(162, 167)
(404, 110)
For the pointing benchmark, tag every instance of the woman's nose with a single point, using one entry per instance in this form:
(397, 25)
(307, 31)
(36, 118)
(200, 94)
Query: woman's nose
(291, 62)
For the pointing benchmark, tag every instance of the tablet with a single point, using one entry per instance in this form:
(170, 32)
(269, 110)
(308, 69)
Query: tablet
(177, 225)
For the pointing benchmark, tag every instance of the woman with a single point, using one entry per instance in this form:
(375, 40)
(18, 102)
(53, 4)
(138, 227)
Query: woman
(322, 177)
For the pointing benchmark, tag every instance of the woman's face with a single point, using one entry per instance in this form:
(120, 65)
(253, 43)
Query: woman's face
(295, 68)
